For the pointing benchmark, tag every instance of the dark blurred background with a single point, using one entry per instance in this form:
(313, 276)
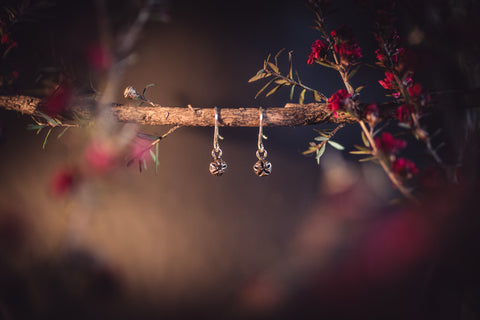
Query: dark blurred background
(308, 241)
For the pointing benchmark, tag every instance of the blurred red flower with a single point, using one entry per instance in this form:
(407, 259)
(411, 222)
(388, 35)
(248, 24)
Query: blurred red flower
(388, 144)
(404, 168)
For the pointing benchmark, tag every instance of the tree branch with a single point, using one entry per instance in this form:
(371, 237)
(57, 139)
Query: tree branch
(291, 115)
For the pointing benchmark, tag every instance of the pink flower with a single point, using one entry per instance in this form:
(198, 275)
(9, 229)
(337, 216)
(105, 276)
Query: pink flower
(318, 50)
(404, 113)
(140, 147)
(415, 90)
(388, 144)
(404, 168)
(100, 158)
(338, 100)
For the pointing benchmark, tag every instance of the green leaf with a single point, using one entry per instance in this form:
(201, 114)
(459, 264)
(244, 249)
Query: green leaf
(50, 120)
(359, 89)
(365, 140)
(302, 96)
(273, 90)
(351, 74)
(320, 138)
(274, 67)
(46, 138)
(263, 88)
(367, 159)
(290, 73)
(148, 86)
(328, 65)
(336, 145)
(34, 126)
(282, 81)
(317, 96)
(292, 91)
(320, 153)
(63, 132)
(259, 76)
(278, 54)
(361, 148)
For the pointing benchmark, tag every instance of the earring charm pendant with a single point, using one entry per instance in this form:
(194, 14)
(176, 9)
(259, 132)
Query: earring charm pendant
(218, 166)
(262, 167)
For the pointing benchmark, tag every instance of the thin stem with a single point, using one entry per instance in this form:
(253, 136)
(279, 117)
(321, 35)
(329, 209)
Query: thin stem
(393, 178)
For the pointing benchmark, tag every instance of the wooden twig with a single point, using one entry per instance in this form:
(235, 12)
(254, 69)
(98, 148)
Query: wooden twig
(291, 115)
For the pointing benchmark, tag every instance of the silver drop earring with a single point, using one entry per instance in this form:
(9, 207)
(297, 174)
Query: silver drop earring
(218, 165)
(262, 167)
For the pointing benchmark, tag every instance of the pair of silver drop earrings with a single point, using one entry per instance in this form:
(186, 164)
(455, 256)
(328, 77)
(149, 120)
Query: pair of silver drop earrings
(218, 166)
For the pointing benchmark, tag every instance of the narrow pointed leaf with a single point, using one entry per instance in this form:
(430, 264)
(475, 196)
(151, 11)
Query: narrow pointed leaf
(336, 145)
(292, 91)
(302, 96)
(274, 67)
(360, 88)
(46, 138)
(258, 77)
(273, 90)
(365, 140)
(367, 159)
(263, 88)
(278, 54)
(320, 153)
(351, 74)
(317, 96)
(320, 138)
(63, 132)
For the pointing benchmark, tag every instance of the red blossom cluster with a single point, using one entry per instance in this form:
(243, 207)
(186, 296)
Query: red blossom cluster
(404, 113)
(345, 45)
(339, 100)
(388, 145)
(319, 50)
(404, 168)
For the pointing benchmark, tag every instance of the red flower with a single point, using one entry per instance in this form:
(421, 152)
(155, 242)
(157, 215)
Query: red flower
(404, 168)
(388, 144)
(338, 100)
(380, 55)
(58, 101)
(63, 181)
(404, 113)
(318, 50)
(415, 90)
(5, 39)
(99, 57)
(389, 81)
(15, 74)
(349, 52)
(345, 45)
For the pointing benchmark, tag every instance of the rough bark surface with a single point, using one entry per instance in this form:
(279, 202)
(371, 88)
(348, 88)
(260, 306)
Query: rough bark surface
(291, 115)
